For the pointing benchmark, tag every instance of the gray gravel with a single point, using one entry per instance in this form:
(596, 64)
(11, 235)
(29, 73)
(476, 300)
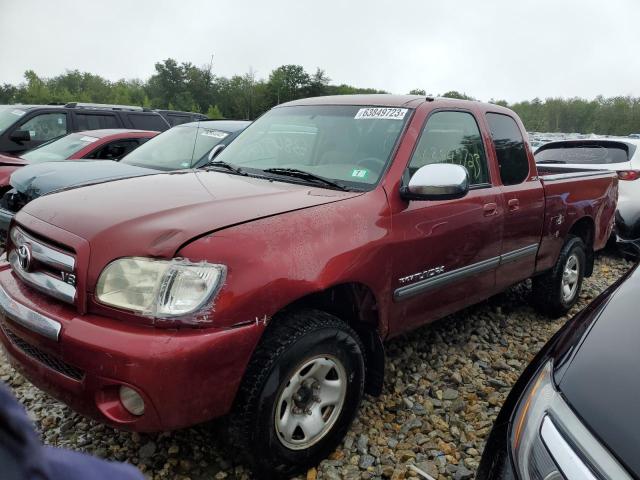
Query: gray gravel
(444, 387)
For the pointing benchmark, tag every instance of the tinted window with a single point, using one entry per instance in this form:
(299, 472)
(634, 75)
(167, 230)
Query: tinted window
(114, 150)
(452, 137)
(585, 154)
(178, 119)
(147, 122)
(88, 121)
(46, 126)
(510, 148)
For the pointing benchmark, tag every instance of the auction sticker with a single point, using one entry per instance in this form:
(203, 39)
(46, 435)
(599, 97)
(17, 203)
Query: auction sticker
(214, 133)
(359, 173)
(383, 113)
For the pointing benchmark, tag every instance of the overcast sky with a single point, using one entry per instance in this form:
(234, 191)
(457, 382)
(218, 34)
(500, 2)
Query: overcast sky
(501, 49)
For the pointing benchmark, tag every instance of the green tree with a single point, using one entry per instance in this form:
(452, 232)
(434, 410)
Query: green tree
(418, 91)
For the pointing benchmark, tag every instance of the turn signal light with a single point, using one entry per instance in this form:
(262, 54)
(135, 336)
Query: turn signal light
(628, 174)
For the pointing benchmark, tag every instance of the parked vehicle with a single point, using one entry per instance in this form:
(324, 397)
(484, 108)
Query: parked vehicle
(186, 146)
(110, 144)
(617, 155)
(572, 414)
(264, 285)
(24, 127)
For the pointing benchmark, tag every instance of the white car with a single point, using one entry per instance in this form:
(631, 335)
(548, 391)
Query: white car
(621, 155)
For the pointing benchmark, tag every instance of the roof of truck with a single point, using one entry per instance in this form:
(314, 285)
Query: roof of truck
(390, 100)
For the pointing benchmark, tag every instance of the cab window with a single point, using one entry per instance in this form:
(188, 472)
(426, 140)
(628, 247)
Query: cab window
(452, 137)
(46, 126)
(510, 148)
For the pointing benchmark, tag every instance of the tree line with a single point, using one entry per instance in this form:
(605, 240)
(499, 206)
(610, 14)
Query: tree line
(185, 86)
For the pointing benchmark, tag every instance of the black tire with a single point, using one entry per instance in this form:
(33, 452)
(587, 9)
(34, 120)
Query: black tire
(547, 294)
(294, 338)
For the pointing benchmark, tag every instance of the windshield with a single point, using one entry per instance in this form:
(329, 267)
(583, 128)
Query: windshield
(348, 144)
(177, 148)
(8, 116)
(583, 154)
(60, 149)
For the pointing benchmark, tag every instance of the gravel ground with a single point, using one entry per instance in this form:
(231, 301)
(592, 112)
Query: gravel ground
(444, 387)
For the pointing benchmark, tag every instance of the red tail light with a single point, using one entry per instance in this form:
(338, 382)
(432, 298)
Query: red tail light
(628, 174)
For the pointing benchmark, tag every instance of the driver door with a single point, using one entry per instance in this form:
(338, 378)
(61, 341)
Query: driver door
(447, 251)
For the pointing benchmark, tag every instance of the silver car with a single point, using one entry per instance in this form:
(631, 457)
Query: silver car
(621, 155)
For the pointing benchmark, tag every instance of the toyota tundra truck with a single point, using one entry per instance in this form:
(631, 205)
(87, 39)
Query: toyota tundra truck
(262, 286)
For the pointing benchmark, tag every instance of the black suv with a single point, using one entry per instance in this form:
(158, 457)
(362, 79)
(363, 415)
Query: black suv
(23, 127)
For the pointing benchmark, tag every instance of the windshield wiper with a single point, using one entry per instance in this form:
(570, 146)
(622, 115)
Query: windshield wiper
(294, 172)
(226, 166)
(551, 161)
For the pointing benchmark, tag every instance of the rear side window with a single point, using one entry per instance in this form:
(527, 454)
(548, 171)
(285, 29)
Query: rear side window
(178, 119)
(452, 137)
(600, 153)
(114, 150)
(147, 122)
(95, 121)
(510, 148)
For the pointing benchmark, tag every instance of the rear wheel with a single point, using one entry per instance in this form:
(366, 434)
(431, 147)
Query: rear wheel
(556, 291)
(300, 393)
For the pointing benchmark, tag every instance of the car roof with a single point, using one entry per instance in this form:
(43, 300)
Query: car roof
(106, 132)
(391, 100)
(225, 125)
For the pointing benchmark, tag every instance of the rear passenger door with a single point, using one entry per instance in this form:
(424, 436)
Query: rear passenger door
(523, 199)
(448, 250)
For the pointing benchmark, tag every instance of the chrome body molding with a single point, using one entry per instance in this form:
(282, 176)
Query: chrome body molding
(29, 319)
(428, 284)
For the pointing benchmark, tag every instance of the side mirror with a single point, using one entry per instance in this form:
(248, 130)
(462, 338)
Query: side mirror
(20, 136)
(438, 181)
(215, 151)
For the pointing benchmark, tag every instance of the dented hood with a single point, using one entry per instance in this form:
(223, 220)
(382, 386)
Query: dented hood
(42, 178)
(157, 214)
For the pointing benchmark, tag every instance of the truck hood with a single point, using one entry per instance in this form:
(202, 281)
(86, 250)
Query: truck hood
(41, 178)
(601, 381)
(155, 215)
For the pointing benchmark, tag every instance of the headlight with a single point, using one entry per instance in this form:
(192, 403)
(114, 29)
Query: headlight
(539, 450)
(158, 288)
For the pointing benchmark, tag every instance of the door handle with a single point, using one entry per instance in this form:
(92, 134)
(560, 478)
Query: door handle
(490, 209)
(513, 204)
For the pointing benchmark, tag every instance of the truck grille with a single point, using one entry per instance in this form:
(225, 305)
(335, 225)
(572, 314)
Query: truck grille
(43, 267)
(42, 357)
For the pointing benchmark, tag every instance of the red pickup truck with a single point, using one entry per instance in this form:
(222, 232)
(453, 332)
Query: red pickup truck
(264, 285)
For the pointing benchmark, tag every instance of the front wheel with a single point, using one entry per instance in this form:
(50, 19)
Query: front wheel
(300, 393)
(556, 291)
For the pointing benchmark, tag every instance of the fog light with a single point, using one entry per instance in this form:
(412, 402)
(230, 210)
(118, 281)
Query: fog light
(131, 400)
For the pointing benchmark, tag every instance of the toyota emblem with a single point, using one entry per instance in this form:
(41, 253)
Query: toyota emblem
(24, 256)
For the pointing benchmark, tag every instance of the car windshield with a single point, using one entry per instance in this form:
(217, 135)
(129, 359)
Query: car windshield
(583, 154)
(60, 149)
(179, 147)
(8, 116)
(346, 144)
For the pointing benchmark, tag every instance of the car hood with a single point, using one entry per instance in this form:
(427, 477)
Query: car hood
(155, 215)
(41, 178)
(7, 160)
(601, 382)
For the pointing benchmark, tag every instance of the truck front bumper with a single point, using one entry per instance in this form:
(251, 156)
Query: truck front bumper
(184, 376)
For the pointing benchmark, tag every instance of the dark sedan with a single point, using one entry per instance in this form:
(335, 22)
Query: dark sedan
(573, 413)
